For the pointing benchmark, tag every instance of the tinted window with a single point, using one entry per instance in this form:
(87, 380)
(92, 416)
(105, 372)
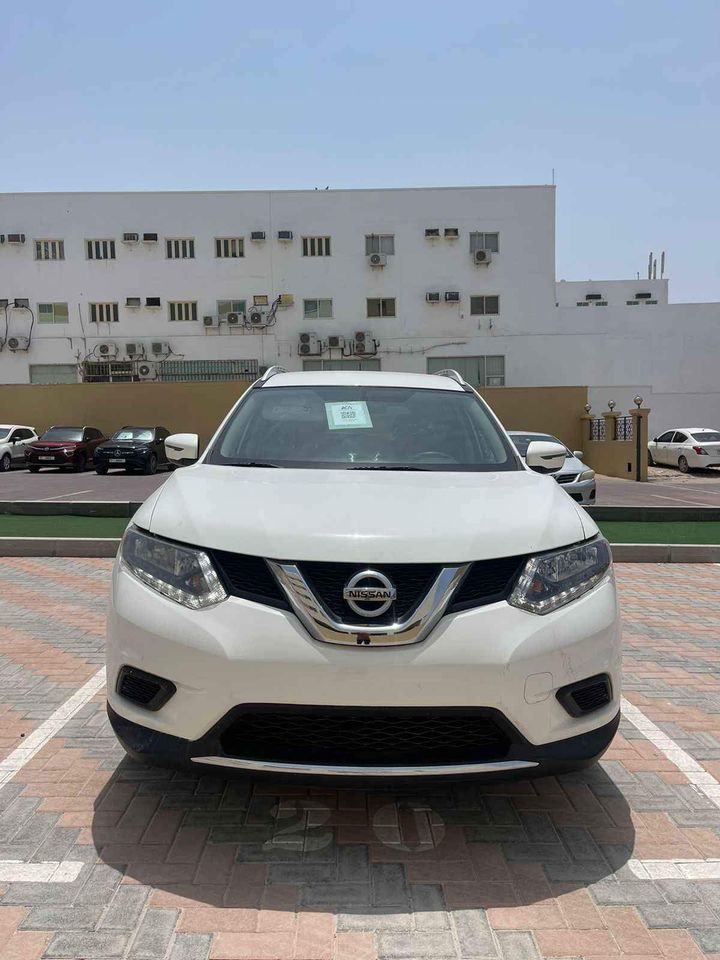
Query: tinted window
(133, 433)
(363, 427)
(679, 437)
(4, 434)
(26, 434)
(665, 437)
(708, 436)
(71, 434)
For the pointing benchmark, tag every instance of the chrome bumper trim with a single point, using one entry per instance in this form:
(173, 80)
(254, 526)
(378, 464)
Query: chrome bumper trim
(332, 770)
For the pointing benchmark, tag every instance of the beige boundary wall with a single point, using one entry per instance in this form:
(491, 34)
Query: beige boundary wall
(198, 407)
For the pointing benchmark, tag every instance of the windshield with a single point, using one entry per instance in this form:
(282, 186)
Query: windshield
(362, 428)
(133, 433)
(707, 436)
(523, 440)
(73, 434)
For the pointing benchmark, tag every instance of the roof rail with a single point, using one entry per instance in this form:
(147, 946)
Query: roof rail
(270, 372)
(454, 375)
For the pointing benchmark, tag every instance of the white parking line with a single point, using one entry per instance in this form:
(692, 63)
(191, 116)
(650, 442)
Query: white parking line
(675, 869)
(73, 493)
(16, 760)
(703, 781)
(47, 871)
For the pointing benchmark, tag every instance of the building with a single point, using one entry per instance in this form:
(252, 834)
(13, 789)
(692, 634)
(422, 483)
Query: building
(212, 285)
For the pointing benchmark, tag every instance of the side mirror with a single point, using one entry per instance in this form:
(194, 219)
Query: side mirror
(655, 440)
(545, 457)
(578, 454)
(182, 448)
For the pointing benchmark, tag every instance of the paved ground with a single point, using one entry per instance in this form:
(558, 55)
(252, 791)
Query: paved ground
(102, 857)
(666, 487)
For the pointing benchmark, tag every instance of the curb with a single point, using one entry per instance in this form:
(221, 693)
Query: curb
(665, 552)
(67, 508)
(622, 512)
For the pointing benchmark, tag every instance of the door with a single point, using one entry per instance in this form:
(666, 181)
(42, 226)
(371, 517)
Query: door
(660, 453)
(19, 439)
(676, 447)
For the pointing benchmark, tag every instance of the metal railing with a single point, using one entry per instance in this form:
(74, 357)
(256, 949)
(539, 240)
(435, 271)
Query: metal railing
(623, 428)
(597, 428)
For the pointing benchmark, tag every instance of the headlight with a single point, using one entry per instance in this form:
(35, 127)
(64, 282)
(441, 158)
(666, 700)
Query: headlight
(181, 574)
(554, 579)
(587, 475)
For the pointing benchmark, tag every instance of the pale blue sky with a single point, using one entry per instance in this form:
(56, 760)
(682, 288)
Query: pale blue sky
(620, 98)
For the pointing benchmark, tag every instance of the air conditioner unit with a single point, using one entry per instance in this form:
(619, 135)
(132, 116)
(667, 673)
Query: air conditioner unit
(377, 259)
(18, 343)
(150, 238)
(260, 300)
(211, 321)
(452, 296)
(482, 256)
(451, 233)
(107, 349)
(257, 235)
(336, 342)
(135, 350)
(285, 235)
(158, 348)
(431, 232)
(133, 301)
(235, 319)
(363, 342)
(309, 345)
(257, 318)
(131, 237)
(22, 303)
(286, 299)
(152, 301)
(16, 238)
(146, 371)
(433, 297)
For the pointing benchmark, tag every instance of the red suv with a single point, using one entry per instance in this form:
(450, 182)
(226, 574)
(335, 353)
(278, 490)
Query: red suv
(70, 448)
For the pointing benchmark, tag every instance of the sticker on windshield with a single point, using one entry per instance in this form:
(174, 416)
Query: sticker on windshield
(353, 413)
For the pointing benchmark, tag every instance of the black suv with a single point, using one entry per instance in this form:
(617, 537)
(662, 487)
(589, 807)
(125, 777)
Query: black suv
(134, 448)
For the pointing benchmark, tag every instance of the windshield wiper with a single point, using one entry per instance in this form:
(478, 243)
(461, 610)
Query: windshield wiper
(383, 466)
(250, 463)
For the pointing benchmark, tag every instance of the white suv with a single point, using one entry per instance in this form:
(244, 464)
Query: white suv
(13, 441)
(361, 577)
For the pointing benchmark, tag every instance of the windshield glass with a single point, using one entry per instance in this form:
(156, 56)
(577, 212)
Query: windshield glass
(523, 440)
(380, 428)
(133, 433)
(707, 436)
(73, 434)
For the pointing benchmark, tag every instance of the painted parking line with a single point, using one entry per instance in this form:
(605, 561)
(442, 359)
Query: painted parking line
(46, 871)
(16, 760)
(675, 869)
(73, 493)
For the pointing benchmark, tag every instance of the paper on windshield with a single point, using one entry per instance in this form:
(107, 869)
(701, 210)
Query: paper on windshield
(351, 414)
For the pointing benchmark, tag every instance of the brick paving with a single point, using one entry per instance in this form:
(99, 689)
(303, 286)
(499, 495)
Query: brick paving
(173, 867)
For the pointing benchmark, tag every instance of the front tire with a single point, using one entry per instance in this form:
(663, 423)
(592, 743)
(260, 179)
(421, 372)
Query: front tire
(34, 469)
(151, 465)
(101, 471)
(683, 465)
(5, 462)
(79, 465)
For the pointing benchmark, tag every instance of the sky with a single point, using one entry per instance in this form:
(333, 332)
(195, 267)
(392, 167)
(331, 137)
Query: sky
(619, 99)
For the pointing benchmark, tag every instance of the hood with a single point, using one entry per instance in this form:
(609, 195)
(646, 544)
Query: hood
(364, 516)
(124, 444)
(55, 444)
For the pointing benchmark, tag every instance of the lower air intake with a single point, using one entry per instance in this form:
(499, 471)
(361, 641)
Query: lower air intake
(586, 696)
(144, 689)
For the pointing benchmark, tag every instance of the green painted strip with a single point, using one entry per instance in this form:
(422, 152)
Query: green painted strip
(661, 532)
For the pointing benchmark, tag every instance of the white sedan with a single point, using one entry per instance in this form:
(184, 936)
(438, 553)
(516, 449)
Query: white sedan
(13, 440)
(689, 448)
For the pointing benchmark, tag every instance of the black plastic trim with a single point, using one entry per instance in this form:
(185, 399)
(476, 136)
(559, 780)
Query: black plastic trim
(566, 695)
(166, 688)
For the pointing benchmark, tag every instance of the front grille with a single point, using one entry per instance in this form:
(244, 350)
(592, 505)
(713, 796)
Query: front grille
(567, 477)
(585, 696)
(248, 577)
(487, 581)
(357, 736)
(411, 580)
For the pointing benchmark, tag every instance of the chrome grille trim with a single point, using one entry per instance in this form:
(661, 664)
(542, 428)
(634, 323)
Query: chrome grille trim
(438, 770)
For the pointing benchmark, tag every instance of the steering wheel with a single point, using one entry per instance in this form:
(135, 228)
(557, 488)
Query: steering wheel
(434, 455)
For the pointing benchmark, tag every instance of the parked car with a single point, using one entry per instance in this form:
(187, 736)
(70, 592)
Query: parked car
(133, 448)
(13, 441)
(687, 448)
(70, 448)
(361, 577)
(576, 478)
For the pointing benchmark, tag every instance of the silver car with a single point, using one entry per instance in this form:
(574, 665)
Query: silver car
(576, 478)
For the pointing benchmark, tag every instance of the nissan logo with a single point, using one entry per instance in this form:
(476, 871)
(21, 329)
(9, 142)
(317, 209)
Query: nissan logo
(369, 587)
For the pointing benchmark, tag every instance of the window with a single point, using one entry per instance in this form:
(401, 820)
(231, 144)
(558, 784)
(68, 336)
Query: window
(485, 371)
(224, 307)
(227, 247)
(316, 246)
(485, 241)
(379, 243)
(381, 307)
(665, 437)
(103, 313)
(182, 249)
(679, 437)
(52, 313)
(367, 364)
(49, 249)
(183, 310)
(317, 309)
(100, 249)
(484, 305)
(53, 373)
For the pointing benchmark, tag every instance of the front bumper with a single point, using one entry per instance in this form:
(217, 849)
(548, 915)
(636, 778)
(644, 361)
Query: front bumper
(53, 458)
(496, 658)
(581, 491)
(130, 458)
